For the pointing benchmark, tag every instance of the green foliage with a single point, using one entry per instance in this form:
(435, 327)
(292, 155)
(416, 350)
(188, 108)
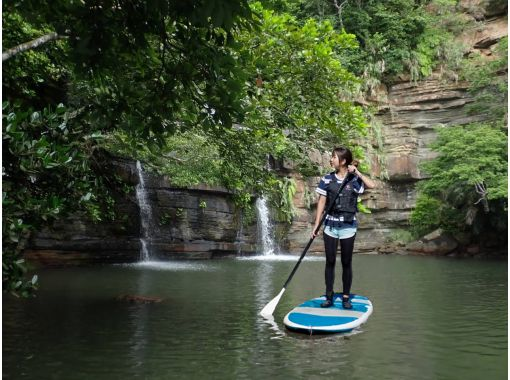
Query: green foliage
(423, 61)
(488, 81)
(374, 146)
(125, 58)
(395, 25)
(437, 45)
(282, 199)
(46, 172)
(165, 219)
(186, 158)
(426, 215)
(387, 32)
(299, 93)
(395, 36)
(168, 68)
(249, 214)
(291, 103)
(362, 208)
(35, 78)
(470, 155)
(401, 236)
(309, 198)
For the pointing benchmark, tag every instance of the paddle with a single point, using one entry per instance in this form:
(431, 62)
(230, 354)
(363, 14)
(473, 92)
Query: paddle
(268, 310)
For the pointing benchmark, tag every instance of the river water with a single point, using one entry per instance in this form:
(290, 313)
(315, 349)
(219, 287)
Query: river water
(434, 318)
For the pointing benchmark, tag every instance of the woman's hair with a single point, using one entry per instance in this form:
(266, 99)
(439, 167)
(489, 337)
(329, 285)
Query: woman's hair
(344, 154)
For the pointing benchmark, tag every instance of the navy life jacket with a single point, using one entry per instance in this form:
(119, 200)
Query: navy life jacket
(346, 204)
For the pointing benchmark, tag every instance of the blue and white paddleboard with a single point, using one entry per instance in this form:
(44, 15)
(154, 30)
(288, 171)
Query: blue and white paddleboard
(310, 317)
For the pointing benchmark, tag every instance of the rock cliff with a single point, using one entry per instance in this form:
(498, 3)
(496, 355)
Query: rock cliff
(200, 222)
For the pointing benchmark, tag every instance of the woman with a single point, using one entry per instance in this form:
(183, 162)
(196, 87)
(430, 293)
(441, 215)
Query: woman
(340, 223)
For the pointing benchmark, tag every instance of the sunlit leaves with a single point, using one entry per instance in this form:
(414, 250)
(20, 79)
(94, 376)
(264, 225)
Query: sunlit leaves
(297, 80)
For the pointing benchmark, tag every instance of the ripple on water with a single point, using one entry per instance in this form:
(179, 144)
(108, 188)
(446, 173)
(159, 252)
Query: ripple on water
(170, 265)
(279, 258)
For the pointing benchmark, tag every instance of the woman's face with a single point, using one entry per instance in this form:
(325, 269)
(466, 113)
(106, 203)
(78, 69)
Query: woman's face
(335, 161)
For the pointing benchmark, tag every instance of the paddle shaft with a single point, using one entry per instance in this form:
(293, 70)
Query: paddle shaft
(316, 231)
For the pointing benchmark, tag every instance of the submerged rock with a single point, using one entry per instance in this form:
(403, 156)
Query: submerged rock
(138, 299)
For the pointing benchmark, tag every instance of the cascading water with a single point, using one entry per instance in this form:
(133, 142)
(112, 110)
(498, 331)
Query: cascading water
(239, 235)
(265, 229)
(145, 213)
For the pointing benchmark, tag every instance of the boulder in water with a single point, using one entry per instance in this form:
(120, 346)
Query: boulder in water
(437, 242)
(138, 299)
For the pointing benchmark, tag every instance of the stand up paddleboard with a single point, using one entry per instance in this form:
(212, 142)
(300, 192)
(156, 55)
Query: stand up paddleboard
(310, 317)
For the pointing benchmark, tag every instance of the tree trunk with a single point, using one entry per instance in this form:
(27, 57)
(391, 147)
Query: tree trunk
(30, 45)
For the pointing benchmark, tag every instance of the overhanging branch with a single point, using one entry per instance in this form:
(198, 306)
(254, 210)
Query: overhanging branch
(31, 45)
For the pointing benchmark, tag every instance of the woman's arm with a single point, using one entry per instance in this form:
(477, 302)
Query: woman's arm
(369, 184)
(321, 204)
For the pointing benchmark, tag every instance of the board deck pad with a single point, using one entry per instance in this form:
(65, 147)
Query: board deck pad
(310, 317)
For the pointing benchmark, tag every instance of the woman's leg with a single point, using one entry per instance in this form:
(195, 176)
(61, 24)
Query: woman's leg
(330, 247)
(346, 247)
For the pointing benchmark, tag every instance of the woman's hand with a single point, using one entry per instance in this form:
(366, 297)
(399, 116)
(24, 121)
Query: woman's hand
(321, 204)
(353, 169)
(369, 184)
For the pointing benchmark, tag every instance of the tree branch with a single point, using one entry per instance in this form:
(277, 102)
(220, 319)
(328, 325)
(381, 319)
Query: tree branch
(9, 53)
(480, 189)
(339, 9)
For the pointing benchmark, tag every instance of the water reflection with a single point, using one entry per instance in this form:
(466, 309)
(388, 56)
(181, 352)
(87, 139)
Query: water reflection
(139, 316)
(433, 319)
(263, 284)
(274, 327)
(171, 265)
(272, 258)
(140, 313)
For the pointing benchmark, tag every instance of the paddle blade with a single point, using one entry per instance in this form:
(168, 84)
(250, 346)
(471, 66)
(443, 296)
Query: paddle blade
(268, 310)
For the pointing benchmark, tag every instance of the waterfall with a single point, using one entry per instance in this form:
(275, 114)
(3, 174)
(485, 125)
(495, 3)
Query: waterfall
(239, 235)
(145, 213)
(265, 229)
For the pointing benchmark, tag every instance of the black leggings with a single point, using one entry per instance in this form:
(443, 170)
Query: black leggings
(346, 248)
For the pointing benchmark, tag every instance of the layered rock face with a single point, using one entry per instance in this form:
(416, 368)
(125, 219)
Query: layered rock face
(408, 120)
(200, 222)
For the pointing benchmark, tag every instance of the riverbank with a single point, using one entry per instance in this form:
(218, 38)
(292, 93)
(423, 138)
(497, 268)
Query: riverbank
(54, 258)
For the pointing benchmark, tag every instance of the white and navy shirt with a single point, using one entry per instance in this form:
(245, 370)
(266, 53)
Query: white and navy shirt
(322, 189)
